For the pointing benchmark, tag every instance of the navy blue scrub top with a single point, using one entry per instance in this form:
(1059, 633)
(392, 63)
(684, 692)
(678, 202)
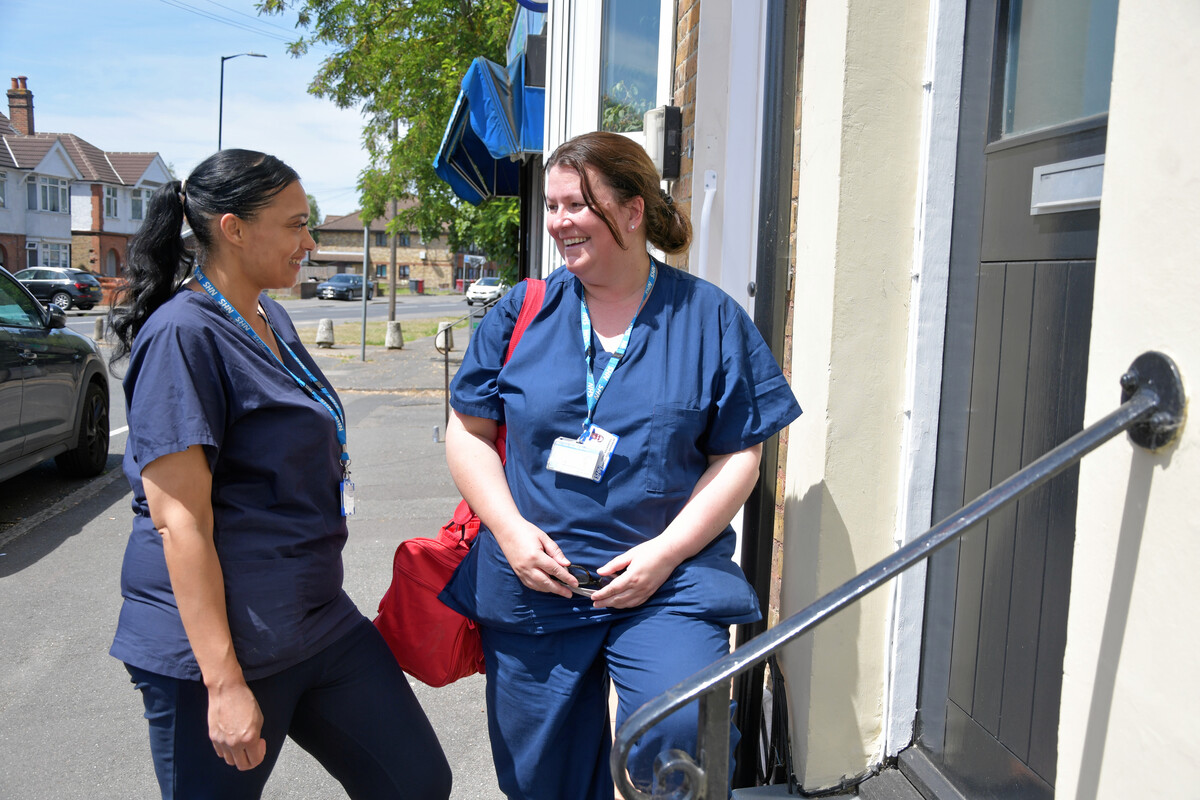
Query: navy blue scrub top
(697, 380)
(196, 378)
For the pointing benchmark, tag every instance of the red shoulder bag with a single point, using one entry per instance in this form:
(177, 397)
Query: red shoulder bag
(432, 642)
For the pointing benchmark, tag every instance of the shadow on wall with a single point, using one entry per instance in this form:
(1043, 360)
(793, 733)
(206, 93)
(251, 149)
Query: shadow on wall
(1116, 619)
(818, 557)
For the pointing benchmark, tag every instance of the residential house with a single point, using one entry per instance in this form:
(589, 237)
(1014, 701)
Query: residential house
(957, 225)
(340, 249)
(100, 200)
(35, 209)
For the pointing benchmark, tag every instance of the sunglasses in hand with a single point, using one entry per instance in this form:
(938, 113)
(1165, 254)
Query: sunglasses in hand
(589, 581)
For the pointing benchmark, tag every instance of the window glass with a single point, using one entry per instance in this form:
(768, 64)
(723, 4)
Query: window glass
(136, 209)
(15, 306)
(628, 63)
(1059, 62)
(55, 255)
(110, 201)
(52, 197)
(3, 189)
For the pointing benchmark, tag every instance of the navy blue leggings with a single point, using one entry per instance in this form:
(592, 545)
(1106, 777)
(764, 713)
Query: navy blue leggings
(350, 706)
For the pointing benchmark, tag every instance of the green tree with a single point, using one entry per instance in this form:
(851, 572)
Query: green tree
(314, 218)
(402, 63)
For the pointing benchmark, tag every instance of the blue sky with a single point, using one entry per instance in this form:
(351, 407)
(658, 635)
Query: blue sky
(144, 75)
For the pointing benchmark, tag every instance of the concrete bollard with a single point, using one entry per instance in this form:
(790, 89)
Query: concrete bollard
(325, 333)
(445, 337)
(395, 337)
(98, 336)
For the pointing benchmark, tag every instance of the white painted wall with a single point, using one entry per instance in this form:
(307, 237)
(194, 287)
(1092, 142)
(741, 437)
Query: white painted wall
(1130, 696)
(859, 199)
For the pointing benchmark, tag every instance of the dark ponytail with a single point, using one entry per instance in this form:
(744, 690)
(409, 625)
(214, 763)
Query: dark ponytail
(238, 182)
(624, 165)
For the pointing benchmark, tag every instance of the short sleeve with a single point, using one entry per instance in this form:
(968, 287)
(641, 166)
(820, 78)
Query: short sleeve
(175, 393)
(475, 389)
(753, 399)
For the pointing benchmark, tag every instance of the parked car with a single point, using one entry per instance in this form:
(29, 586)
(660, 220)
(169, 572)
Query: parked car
(53, 389)
(486, 290)
(64, 287)
(344, 286)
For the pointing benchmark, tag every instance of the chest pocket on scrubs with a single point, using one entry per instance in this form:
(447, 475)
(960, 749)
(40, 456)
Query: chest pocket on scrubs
(674, 430)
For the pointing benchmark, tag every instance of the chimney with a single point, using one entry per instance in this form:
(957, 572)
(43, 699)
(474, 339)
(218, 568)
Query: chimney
(20, 106)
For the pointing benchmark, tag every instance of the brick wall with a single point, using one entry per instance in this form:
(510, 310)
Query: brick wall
(687, 38)
(790, 306)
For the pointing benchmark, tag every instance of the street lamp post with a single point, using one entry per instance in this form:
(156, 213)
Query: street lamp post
(221, 99)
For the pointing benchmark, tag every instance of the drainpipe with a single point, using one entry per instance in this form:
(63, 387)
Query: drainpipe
(770, 289)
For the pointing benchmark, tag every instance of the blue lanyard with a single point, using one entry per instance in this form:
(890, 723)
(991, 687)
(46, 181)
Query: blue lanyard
(594, 389)
(312, 387)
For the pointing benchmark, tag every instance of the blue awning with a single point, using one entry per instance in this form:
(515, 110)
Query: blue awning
(497, 119)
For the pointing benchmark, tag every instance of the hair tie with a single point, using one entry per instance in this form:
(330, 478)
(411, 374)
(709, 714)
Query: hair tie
(670, 201)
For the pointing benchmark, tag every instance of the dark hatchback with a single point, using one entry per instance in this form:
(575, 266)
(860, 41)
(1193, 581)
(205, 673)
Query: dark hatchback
(343, 286)
(63, 287)
(53, 389)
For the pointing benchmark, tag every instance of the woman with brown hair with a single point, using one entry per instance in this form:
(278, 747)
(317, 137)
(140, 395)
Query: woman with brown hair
(636, 409)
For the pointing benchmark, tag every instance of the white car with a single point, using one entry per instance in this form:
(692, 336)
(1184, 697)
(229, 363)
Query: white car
(486, 290)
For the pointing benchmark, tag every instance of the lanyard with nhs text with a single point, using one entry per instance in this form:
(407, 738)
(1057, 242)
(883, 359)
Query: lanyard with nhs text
(312, 387)
(594, 388)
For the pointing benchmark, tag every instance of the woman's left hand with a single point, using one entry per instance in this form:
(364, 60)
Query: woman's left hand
(646, 567)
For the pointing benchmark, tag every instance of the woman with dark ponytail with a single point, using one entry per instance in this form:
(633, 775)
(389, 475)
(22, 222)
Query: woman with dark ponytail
(235, 626)
(636, 408)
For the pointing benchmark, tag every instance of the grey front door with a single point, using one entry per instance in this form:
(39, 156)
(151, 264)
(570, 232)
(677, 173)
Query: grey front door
(1031, 145)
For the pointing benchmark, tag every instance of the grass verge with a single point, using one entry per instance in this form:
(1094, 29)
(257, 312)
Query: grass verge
(351, 332)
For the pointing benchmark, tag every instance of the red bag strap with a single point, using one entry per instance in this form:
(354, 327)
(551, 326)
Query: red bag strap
(535, 291)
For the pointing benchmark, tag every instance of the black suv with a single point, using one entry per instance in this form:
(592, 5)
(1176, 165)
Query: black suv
(53, 389)
(64, 287)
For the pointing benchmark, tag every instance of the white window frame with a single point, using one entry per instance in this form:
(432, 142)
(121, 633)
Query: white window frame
(138, 198)
(112, 206)
(47, 192)
(61, 251)
(3, 189)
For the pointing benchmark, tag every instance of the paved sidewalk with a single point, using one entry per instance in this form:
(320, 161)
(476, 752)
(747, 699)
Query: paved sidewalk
(418, 367)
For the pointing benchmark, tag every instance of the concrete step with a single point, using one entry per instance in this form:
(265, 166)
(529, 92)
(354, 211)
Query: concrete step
(888, 785)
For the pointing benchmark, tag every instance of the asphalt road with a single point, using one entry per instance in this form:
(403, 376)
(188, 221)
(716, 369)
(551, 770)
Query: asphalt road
(309, 312)
(70, 722)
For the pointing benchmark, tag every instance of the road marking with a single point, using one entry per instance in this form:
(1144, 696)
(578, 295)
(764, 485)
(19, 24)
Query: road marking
(85, 492)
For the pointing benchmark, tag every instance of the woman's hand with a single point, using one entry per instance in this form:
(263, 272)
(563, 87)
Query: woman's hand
(235, 726)
(646, 567)
(536, 559)
(479, 474)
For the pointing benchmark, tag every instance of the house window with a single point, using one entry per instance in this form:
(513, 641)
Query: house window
(3, 187)
(46, 254)
(137, 199)
(381, 271)
(380, 239)
(49, 194)
(110, 201)
(629, 37)
(401, 271)
(404, 240)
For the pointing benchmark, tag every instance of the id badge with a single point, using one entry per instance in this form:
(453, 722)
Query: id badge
(347, 487)
(585, 457)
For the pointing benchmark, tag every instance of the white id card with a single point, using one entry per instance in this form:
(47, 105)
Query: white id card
(585, 457)
(347, 498)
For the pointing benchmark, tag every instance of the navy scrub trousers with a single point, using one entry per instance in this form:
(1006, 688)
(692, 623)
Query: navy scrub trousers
(350, 706)
(547, 699)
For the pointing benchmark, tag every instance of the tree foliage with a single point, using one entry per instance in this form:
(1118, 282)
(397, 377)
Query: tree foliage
(402, 62)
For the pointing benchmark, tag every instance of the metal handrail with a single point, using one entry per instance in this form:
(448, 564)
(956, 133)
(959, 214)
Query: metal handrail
(446, 352)
(1152, 410)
